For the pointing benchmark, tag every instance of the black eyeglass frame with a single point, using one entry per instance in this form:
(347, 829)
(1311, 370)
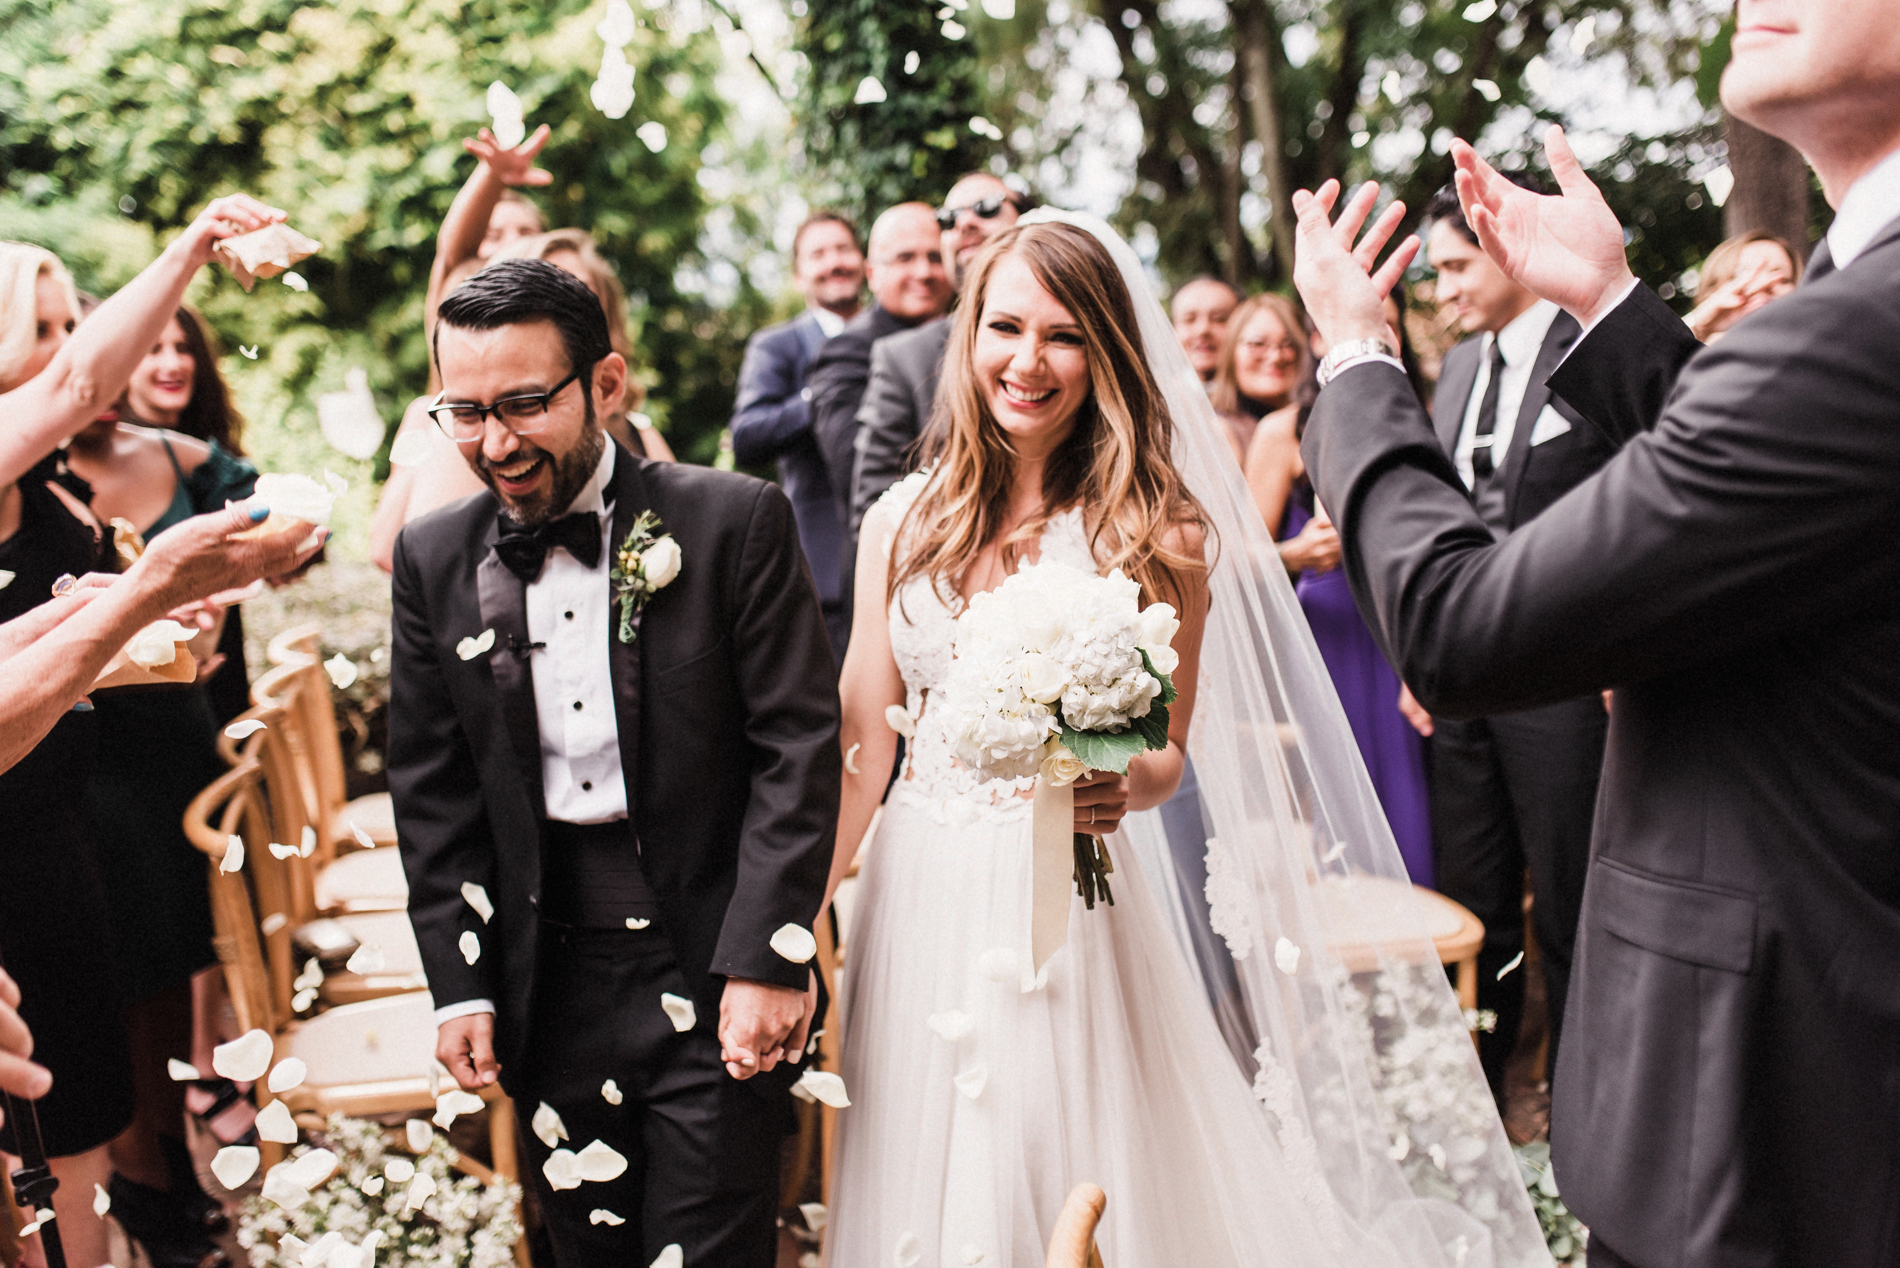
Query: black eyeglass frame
(443, 412)
(984, 208)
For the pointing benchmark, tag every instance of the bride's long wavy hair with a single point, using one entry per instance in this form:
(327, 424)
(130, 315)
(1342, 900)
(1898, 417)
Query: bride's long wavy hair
(1114, 463)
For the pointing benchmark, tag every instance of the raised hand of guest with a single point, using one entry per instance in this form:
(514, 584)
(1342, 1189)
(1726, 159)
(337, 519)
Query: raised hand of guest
(203, 555)
(1565, 247)
(515, 166)
(224, 217)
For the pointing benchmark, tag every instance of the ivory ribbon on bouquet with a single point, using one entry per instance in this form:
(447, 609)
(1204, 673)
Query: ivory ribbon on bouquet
(1052, 867)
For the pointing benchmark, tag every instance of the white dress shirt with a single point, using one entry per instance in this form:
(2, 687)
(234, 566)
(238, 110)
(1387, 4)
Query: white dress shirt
(1520, 342)
(828, 321)
(1871, 204)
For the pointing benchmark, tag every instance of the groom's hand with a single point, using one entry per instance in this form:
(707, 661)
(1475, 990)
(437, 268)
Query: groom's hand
(466, 1045)
(1341, 280)
(755, 1020)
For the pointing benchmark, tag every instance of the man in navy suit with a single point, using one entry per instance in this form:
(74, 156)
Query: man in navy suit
(772, 419)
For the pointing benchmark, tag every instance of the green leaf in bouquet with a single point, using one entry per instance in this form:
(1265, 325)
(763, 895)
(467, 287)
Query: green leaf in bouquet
(1168, 693)
(1153, 726)
(1103, 750)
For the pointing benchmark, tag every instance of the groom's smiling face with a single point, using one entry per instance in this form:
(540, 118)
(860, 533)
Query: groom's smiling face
(537, 465)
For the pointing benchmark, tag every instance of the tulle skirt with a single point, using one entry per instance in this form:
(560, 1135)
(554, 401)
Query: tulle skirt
(977, 1104)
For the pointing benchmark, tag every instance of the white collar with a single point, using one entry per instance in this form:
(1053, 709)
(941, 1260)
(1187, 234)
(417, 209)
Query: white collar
(593, 494)
(1521, 340)
(828, 321)
(1871, 203)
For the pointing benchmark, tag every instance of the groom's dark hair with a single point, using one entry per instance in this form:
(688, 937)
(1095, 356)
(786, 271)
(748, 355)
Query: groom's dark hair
(510, 292)
(1446, 207)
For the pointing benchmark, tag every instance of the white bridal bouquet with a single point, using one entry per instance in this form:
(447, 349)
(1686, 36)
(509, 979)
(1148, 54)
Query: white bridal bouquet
(1059, 672)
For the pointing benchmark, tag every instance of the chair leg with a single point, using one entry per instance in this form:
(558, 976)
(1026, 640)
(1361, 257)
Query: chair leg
(503, 1153)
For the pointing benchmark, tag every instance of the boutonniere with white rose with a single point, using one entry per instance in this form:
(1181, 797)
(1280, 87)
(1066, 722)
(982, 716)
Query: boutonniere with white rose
(644, 565)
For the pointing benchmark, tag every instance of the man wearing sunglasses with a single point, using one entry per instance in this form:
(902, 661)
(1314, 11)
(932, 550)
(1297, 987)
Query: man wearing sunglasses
(610, 811)
(904, 367)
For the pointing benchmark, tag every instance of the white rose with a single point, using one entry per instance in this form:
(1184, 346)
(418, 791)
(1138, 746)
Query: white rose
(1155, 628)
(1063, 767)
(1043, 678)
(660, 562)
(1164, 659)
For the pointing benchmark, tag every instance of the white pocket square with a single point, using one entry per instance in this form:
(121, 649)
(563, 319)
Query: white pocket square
(1550, 425)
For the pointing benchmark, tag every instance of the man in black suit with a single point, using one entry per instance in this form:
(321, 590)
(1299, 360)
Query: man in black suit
(1729, 1095)
(1513, 790)
(772, 418)
(616, 806)
(905, 366)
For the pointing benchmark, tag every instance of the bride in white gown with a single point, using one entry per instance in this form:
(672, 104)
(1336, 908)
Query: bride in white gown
(1358, 1130)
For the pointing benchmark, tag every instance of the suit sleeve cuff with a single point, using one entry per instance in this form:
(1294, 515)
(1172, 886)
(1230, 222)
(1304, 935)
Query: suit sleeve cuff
(467, 1008)
(1607, 309)
(1366, 358)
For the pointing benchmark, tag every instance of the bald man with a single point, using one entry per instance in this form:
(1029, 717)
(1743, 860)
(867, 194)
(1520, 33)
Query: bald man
(1200, 311)
(911, 285)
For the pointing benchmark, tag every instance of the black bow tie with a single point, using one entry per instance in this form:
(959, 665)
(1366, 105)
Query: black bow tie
(524, 550)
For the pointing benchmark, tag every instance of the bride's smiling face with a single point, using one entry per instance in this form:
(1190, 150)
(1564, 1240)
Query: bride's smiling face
(1031, 357)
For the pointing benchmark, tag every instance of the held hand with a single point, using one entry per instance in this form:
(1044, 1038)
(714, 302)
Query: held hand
(1566, 248)
(201, 556)
(1342, 291)
(755, 1020)
(1314, 548)
(801, 1033)
(225, 217)
(1415, 712)
(466, 1045)
(516, 166)
(1101, 799)
(18, 1076)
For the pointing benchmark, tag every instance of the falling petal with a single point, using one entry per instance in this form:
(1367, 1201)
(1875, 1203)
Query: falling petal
(815, 1215)
(680, 1010)
(365, 960)
(562, 1169)
(601, 1162)
(419, 1134)
(289, 1073)
(898, 718)
(1333, 855)
(616, 29)
(823, 1086)
(999, 964)
(971, 1081)
(610, 1092)
(275, 922)
(452, 1104)
(1480, 11)
(295, 282)
(671, 1256)
(284, 1191)
(1537, 77)
(635, 922)
(1515, 961)
(248, 351)
(477, 897)
(1286, 956)
(473, 646)
(45, 1218)
(282, 851)
(373, 1186)
(952, 1025)
(652, 134)
(310, 1169)
(318, 1255)
(303, 999)
(1720, 183)
(412, 448)
(292, 1246)
(795, 943)
(974, 1254)
(243, 730)
(233, 859)
(342, 671)
(363, 838)
(1000, 11)
(275, 1124)
(421, 1189)
(870, 92)
(336, 483)
(401, 1170)
(954, 31)
(307, 843)
(547, 1125)
(1400, 1148)
(6, 578)
(1437, 1154)
(101, 1200)
(244, 1059)
(850, 762)
(601, 1215)
(312, 975)
(911, 62)
(909, 1251)
(181, 1072)
(469, 945)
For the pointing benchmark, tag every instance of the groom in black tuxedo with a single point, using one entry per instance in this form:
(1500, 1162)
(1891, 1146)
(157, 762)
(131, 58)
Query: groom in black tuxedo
(1729, 1092)
(643, 813)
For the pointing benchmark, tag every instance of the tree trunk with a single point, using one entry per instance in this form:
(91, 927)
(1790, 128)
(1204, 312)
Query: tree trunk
(1771, 186)
(1256, 43)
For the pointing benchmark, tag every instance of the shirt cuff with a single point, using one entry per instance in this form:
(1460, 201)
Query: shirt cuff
(1609, 308)
(467, 1008)
(1362, 359)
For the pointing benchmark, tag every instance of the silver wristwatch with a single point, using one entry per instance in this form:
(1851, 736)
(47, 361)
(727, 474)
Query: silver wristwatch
(1341, 353)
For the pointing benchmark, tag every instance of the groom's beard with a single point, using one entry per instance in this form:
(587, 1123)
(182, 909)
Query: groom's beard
(572, 471)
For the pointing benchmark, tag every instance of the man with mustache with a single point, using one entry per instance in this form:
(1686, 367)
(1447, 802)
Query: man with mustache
(616, 803)
(772, 418)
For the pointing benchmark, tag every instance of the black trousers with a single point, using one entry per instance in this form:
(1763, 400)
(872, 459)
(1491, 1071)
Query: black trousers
(1509, 792)
(702, 1148)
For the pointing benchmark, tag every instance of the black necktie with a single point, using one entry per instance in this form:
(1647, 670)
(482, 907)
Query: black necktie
(524, 550)
(1481, 464)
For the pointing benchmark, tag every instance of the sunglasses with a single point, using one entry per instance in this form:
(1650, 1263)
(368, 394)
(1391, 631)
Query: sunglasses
(986, 209)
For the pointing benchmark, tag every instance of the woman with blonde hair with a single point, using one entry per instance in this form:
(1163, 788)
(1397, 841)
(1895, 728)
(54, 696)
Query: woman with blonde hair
(1741, 275)
(1070, 429)
(1264, 365)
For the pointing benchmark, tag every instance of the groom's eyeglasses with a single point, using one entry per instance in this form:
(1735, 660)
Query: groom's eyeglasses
(524, 415)
(986, 209)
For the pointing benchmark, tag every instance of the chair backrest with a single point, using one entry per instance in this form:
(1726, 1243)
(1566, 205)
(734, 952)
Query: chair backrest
(301, 685)
(234, 805)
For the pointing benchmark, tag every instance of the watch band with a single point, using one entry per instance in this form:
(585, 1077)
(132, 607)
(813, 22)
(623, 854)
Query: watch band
(1339, 354)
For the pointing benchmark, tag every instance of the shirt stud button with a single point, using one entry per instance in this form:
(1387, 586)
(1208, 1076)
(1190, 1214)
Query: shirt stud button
(587, 785)
(577, 706)
(568, 615)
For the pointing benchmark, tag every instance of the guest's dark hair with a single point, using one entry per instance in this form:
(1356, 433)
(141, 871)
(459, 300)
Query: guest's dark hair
(1024, 200)
(826, 216)
(1446, 207)
(209, 414)
(516, 291)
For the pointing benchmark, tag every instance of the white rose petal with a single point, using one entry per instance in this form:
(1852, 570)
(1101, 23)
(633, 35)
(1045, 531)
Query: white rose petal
(281, 1189)
(795, 943)
(1515, 961)
(420, 1136)
(342, 671)
(820, 1085)
(366, 959)
(296, 282)
(670, 1256)
(363, 838)
(652, 134)
(244, 1059)
(974, 1254)
(562, 1169)
(909, 1251)
(235, 1164)
(660, 563)
(547, 1125)
(1286, 956)
(1481, 10)
(680, 1010)
(312, 975)
(45, 1217)
(307, 844)
(373, 1186)
(476, 644)
(816, 1215)
(1000, 964)
(275, 1124)
(870, 92)
(610, 1092)
(952, 1025)
(319, 1254)
(450, 1105)
(1400, 1148)
(157, 644)
(470, 946)
(1487, 88)
(898, 718)
(477, 897)
(288, 1073)
(636, 922)
(282, 851)
(273, 923)
(421, 1189)
(601, 1162)
(303, 999)
(293, 497)
(6, 578)
(850, 760)
(292, 1246)
(413, 448)
(101, 1200)
(401, 1170)
(601, 1215)
(312, 1169)
(972, 1081)
(1437, 1155)
(337, 484)
(1538, 78)
(243, 730)
(954, 30)
(233, 859)
(181, 1072)
(617, 28)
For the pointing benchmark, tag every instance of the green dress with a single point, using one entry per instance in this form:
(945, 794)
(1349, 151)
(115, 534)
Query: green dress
(156, 751)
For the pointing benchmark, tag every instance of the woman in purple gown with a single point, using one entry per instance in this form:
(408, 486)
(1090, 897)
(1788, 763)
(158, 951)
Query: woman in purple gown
(1385, 720)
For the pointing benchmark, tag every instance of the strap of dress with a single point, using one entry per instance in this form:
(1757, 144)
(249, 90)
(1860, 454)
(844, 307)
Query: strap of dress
(169, 453)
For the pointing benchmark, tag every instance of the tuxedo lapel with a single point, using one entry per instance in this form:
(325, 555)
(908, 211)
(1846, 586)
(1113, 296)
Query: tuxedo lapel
(1458, 376)
(504, 607)
(1563, 332)
(630, 499)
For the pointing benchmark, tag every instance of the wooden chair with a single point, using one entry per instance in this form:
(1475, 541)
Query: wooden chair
(1072, 1245)
(337, 815)
(1371, 917)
